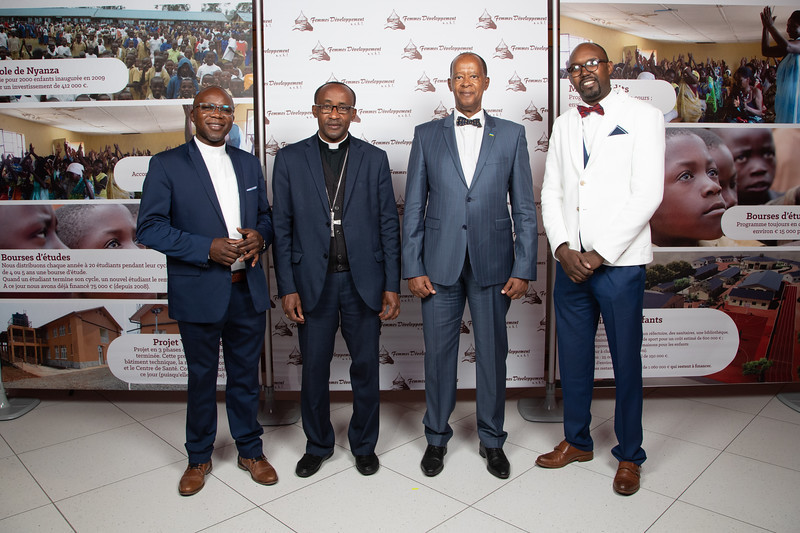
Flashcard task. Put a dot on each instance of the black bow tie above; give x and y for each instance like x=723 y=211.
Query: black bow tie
x=586 y=111
x=461 y=121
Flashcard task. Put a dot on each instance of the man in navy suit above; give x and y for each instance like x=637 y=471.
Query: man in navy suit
x=458 y=246
x=603 y=180
x=337 y=262
x=204 y=205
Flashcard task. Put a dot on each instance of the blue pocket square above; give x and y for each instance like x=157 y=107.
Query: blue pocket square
x=254 y=187
x=619 y=130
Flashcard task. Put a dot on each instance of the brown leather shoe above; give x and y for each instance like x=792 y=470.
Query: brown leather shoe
x=562 y=455
x=260 y=470
x=194 y=478
x=626 y=482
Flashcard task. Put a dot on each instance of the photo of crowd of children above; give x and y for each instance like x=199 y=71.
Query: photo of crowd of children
x=67 y=175
x=169 y=54
x=754 y=81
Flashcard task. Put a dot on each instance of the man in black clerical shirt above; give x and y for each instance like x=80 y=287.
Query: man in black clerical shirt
x=337 y=262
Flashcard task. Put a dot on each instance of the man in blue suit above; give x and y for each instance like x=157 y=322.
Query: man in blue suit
x=337 y=261
x=204 y=205
x=458 y=245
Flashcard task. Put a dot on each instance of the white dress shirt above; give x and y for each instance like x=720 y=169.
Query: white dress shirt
x=591 y=122
x=468 y=141
x=220 y=168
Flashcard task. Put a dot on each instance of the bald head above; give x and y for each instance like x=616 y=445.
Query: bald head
x=203 y=95
x=594 y=47
x=590 y=72
x=212 y=115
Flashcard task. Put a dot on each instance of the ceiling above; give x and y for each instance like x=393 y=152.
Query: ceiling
x=684 y=22
x=112 y=118
x=103 y=117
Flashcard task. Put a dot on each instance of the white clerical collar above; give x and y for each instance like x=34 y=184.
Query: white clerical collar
x=208 y=149
x=480 y=114
x=333 y=146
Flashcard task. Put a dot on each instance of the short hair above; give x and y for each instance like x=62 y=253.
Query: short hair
x=462 y=54
x=681 y=132
x=746 y=72
x=711 y=139
x=72 y=223
x=316 y=93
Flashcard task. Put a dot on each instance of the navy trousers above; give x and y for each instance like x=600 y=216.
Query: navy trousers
x=340 y=306
x=441 y=324
x=616 y=293
x=242 y=333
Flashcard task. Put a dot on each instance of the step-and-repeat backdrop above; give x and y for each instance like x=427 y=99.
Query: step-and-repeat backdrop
x=88 y=94
x=397 y=60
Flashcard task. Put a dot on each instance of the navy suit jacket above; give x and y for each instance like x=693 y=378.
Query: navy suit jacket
x=303 y=226
x=179 y=215
x=444 y=219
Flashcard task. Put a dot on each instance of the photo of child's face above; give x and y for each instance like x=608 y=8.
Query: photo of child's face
x=753 y=153
x=28 y=226
x=726 y=172
x=109 y=226
x=97 y=226
x=692 y=207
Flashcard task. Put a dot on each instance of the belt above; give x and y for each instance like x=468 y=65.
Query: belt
x=238 y=276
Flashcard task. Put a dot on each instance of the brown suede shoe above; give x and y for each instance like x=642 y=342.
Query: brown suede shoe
x=564 y=454
x=626 y=482
x=260 y=470
x=194 y=478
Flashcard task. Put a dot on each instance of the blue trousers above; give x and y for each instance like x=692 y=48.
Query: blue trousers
x=242 y=333
x=441 y=324
x=616 y=293
x=340 y=305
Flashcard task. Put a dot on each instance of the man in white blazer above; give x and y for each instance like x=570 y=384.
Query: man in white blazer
x=604 y=179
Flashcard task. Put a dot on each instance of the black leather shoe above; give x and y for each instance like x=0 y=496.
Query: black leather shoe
x=309 y=464
x=433 y=460
x=496 y=462
x=367 y=464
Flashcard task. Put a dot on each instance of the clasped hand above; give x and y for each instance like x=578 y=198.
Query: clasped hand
x=579 y=266
x=226 y=251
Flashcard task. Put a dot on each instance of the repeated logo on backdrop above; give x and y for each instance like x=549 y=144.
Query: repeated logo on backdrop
x=397 y=60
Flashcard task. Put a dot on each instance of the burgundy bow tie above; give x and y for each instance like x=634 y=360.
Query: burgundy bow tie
x=461 y=121
x=585 y=111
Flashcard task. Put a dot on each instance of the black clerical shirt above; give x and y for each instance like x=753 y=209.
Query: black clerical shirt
x=332 y=167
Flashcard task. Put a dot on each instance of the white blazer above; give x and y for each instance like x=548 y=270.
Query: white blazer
x=606 y=206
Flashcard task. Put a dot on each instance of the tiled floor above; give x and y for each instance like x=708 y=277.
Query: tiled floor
x=720 y=459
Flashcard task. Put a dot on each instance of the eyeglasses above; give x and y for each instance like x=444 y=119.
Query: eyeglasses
x=207 y=108
x=328 y=108
x=590 y=66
